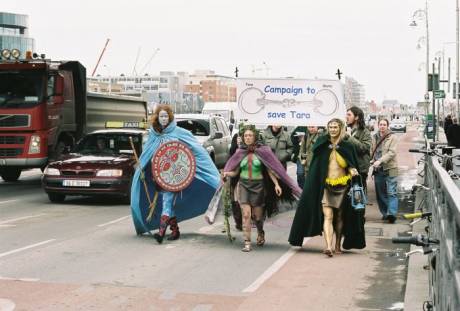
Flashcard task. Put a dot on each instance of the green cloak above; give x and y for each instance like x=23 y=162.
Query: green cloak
x=308 y=219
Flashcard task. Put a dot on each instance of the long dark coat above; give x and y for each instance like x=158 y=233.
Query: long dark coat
x=308 y=220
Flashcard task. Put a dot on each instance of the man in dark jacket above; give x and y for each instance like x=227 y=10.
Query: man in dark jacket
x=453 y=134
x=361 y=138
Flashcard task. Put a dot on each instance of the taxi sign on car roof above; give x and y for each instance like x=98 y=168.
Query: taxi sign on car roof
x=126 y=124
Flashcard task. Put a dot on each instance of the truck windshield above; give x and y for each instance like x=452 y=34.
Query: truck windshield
x=21 y=89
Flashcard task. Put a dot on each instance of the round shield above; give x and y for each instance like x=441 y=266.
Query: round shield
x=173 y=166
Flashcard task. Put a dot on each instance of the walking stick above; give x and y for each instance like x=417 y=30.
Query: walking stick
x=226 y=197
x=151 y=204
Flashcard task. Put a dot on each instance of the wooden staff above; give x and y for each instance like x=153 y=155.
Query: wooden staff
x=151 y=204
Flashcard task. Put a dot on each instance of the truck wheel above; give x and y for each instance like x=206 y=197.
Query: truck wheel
x=56 y=197
x=10 y=173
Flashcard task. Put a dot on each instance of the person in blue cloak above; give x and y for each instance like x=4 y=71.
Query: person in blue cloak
x=170 y=207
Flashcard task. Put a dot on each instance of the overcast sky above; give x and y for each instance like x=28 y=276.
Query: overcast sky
x=369 y=40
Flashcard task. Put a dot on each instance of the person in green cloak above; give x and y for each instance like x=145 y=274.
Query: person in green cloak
x=324 y=207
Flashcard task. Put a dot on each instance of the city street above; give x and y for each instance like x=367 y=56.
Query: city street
x=84 y=255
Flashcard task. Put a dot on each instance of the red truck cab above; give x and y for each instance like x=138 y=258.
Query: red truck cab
x=41 y=112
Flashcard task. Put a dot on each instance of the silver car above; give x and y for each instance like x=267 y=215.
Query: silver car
x=398 y=126
x=211 y=131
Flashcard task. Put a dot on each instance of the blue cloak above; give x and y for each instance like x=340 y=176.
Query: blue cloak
x=190 y=202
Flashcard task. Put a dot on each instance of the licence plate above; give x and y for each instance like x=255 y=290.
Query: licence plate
x=75 y=183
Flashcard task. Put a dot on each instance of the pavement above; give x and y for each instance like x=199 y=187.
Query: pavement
x=95 y=268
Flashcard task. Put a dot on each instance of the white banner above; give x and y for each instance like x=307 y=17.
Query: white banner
x=290 y=101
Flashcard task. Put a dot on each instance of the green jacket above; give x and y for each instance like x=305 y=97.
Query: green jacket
x=280 y=144
x=296 y=141
x=306 y=150
x=362 y=140
x=308 y=219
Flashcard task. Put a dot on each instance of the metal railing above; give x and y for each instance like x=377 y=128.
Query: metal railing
x=443 y=200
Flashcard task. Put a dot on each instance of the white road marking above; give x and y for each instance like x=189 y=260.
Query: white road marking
x=8 y=201
x=19 y=218
x=25 y=248
x=272 y=269
x=113 y=221
x=7 y=305
x=207 y=229
x=4 y=278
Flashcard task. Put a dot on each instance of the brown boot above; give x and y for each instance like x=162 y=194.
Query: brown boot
x=175 y=234
x=164 y=221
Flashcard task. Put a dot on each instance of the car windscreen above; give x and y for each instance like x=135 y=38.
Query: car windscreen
x=195 y=126
x=108 y=144
x=21 y=89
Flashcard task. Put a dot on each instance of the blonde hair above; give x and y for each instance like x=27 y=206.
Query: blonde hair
x=341 y=126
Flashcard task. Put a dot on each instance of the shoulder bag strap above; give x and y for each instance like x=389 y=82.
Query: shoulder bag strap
x=378 y=144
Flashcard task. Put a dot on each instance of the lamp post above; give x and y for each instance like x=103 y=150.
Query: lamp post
x=457 y=57
x=420 y=14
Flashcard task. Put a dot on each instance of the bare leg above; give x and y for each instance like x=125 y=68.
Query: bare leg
x=259 y=220
x=246 y=212
x=338 y=226
x=328 y=229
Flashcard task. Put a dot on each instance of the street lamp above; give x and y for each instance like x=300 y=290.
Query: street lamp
x=457 y=46
x=423 y=14
x=420 y=15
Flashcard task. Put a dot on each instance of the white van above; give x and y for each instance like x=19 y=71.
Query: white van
x=226 y=110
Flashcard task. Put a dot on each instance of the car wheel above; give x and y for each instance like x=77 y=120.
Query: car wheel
x=56 y=197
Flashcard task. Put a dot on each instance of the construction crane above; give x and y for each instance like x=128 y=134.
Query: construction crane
x=100 y=57
x=264 y=68
x=155 y=52
x=135 y=62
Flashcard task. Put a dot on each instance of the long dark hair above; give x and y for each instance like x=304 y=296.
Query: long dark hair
x=358 y=112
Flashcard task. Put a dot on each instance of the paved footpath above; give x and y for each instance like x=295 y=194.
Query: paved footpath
x=301 y=279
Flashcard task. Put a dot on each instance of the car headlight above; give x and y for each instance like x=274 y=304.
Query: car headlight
x=34 y=146
x=52 y=171
x=109 y=173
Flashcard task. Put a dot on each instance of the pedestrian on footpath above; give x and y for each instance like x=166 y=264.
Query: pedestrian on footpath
x=453 y=137
x=361 y=138
x=324 y=206
x=306 y=148
x=385 y=171
x=447 y=123
x=257 y=169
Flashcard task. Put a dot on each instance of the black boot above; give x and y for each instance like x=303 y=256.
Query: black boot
x=175 y=234
x=164 y=221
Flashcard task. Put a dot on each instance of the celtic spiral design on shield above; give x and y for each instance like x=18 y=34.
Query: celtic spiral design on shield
x=173 y=166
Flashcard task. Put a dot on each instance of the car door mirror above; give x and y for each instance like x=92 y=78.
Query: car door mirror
x=218 y=135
